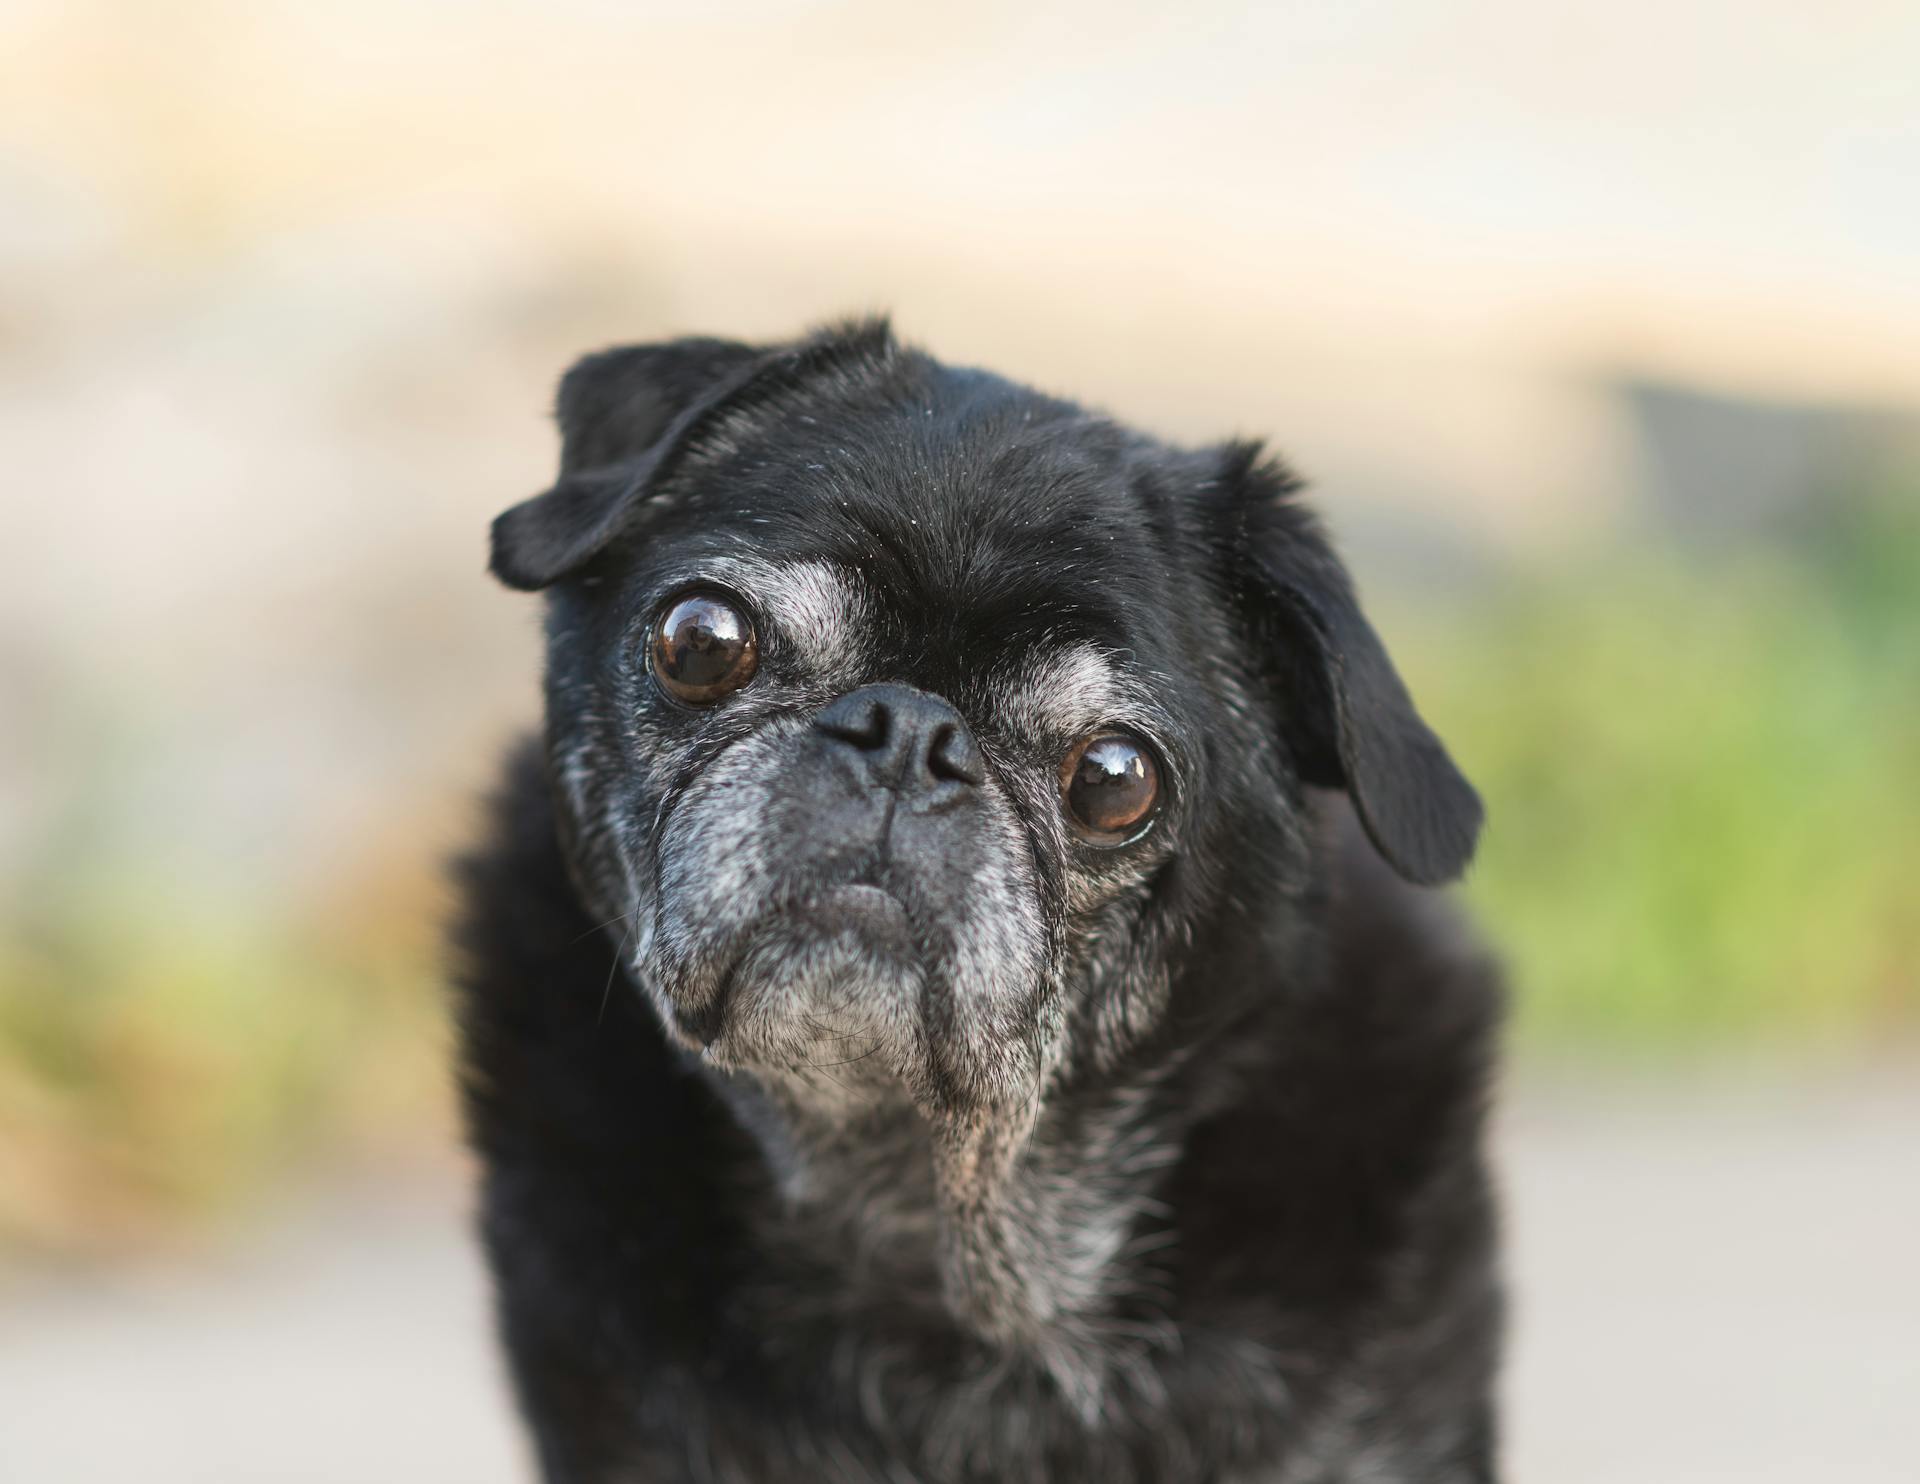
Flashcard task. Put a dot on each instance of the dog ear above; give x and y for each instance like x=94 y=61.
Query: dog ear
x=622 y=413
x=1348 y=717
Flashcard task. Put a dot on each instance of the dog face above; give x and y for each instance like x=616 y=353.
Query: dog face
x=908 y=725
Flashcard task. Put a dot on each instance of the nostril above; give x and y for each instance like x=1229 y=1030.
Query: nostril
x=903 y=739
x=953 y=757
x=866 y=724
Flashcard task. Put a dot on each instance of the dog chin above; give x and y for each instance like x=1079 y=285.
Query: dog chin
x=832 y=984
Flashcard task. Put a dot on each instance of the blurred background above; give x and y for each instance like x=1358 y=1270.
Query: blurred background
x=1596 y=329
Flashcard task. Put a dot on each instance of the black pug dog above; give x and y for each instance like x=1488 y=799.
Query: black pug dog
x=949 y=999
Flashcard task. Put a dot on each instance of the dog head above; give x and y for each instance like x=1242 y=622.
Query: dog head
x=910 y=727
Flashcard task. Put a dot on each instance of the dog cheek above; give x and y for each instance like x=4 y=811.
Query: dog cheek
x=998 y=1021
x=596 y=805
x=715 y=877
x=1126 y=986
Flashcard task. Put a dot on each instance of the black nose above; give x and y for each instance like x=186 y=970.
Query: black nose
x=904 y=739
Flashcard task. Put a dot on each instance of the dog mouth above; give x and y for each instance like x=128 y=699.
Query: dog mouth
x=823 y=952
x=863 y=907
x=798 y=931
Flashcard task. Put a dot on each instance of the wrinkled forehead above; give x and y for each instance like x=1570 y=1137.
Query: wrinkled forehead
x=844 y=630
x=1032 y=576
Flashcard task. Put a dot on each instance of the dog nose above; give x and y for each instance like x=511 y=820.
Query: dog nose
x=904 y=739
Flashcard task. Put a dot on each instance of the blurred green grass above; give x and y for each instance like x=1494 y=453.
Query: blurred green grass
x=1703 y=775
x=161 y=1063
x=1702 y=771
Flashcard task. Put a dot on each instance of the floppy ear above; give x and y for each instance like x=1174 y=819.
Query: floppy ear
x=622 y=413
x=1348 y=716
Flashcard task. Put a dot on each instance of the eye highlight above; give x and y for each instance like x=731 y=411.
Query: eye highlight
x=1110 y=785
x=702 y=648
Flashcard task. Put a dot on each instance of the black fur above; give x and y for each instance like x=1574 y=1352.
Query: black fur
x=1244 y=1043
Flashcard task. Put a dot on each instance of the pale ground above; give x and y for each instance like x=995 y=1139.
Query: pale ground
x=1719 y=1285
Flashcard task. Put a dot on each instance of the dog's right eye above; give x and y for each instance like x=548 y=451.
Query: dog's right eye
x=702 y=648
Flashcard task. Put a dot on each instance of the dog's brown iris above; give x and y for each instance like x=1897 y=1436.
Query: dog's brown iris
x=702 y=649
x=1111 y=786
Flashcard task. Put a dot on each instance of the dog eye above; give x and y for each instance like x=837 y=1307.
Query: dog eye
x=1111 y=787
x=702 y=648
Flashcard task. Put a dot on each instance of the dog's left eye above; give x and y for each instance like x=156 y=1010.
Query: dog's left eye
x=702 y=648
x=1111 y=787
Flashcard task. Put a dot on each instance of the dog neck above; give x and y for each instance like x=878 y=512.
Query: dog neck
x=1025 y=1222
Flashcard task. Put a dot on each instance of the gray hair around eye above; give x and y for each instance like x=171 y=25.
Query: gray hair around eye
x=816 y=607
